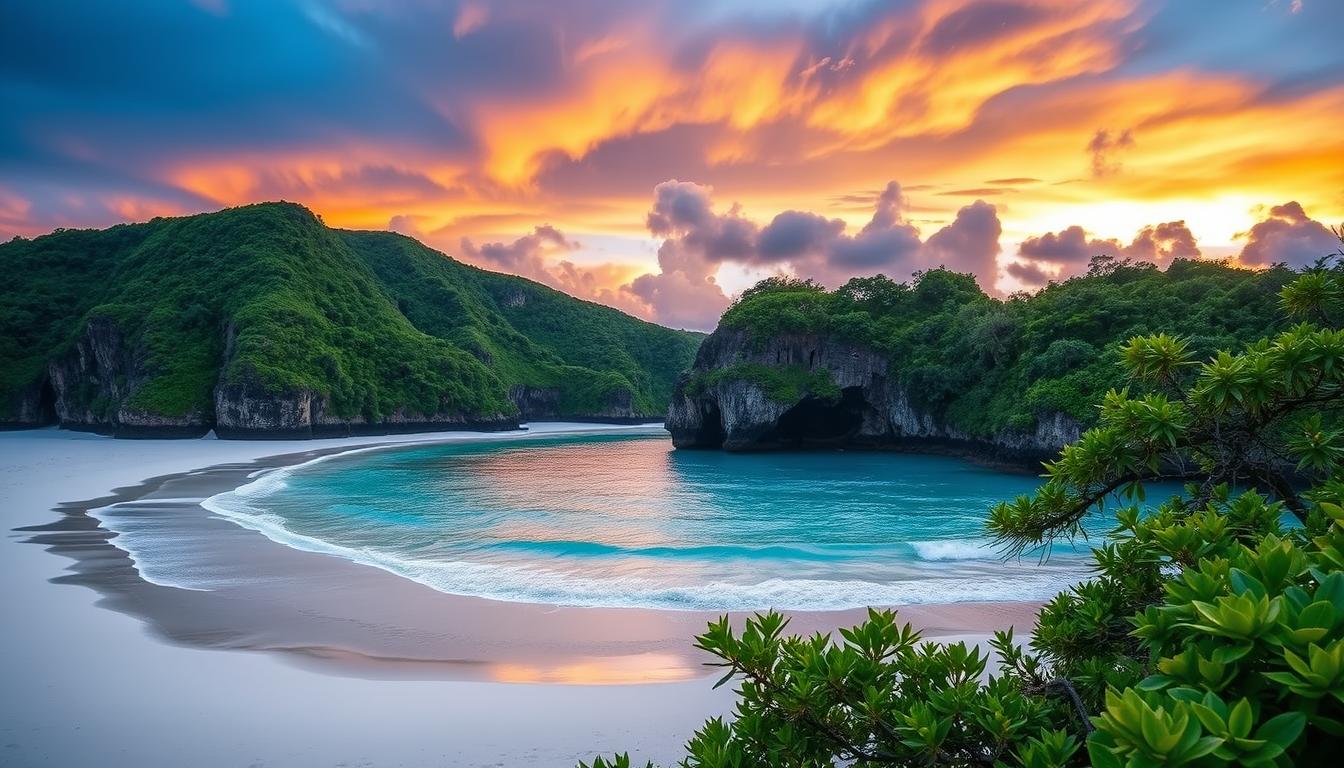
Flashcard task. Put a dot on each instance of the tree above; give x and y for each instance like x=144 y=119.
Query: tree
x=1213 y=633
x=1264 y=416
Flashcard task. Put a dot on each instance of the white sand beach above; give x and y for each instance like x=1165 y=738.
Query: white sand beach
x=87 y=685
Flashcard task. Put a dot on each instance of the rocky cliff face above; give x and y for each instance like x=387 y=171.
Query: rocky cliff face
x=33 y=406
x=872 y=410
x=535 y=403
x=93 y=383
x=249 y=411
x=90 y=389
x=544 y=403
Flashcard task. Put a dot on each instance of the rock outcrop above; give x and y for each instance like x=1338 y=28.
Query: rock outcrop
x=249 y=411
x=535 y=403
x=545 y=403
x=92 y=388
x=872 y=410
x=94 y=383
x=32 y=406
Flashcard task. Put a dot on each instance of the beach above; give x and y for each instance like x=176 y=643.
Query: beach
x=317 y=660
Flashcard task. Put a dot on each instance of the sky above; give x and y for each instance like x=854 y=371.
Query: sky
x=660 y=156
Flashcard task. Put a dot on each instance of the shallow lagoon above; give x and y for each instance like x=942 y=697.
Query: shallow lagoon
x=628 y=521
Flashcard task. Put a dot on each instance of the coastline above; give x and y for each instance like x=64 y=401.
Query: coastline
x=357 y=625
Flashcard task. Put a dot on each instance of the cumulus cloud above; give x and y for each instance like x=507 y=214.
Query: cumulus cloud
x=1067 y=252
x=682 y=210
x=1028 y=273
x=539 y=256
x=812 y=245
x=526 y=256
x=1289 y=236
x=684 y=292
x=969 y=244
x=698 y=241
x=795 y=234
x=887 y=243
x=1162 y=243
x=1069 y=245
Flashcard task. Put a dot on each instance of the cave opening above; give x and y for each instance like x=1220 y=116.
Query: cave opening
x=711 y=434
x=46 y=403
x=819 y=422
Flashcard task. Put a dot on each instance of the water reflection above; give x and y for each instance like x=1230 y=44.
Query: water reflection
x=627 y=521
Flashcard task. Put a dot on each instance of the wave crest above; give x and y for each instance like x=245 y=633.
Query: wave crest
x=955 y=549
x=540 y=585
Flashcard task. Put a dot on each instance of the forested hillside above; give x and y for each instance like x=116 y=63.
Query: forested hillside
x=261 y=321
x=877 y=361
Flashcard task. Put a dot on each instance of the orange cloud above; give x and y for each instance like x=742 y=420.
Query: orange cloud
x=504 y=117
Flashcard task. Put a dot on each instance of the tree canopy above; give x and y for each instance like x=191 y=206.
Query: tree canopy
x=983 y=364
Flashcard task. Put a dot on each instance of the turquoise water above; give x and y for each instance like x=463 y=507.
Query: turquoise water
x=627 y=521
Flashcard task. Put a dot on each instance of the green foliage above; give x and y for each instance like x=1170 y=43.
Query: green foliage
x=781 y=383
x=984 y=365
x=1243 y=651
x=267 y=296
x=528 y=333
x=1211 y=635
x=1251 y=416
x=878 y=695
x=44 y=284
x=780 y=305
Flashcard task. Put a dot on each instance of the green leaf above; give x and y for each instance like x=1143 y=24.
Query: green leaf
x=1282 y=729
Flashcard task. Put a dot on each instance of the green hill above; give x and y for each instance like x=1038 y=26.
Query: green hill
x=938 y=363
x=261 y=321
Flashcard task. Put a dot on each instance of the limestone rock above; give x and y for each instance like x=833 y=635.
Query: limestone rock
x=872 y=410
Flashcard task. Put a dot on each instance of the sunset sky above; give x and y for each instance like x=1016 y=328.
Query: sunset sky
x=661 y=155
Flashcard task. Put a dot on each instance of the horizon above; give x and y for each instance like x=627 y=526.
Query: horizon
x=661 y=158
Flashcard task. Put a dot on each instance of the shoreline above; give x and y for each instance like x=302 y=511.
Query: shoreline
x=86 y=685
x=334 y=431
x=339 y=616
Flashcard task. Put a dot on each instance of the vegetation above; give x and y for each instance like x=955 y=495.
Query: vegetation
x=781 y=383
x=983 y=365
x=372 y=321
x=1212 y=634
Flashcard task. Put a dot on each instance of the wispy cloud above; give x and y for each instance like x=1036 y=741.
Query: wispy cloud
x=486 y=121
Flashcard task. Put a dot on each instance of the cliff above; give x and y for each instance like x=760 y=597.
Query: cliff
x=261 y=322
x=938 y=365
x=809 y=391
